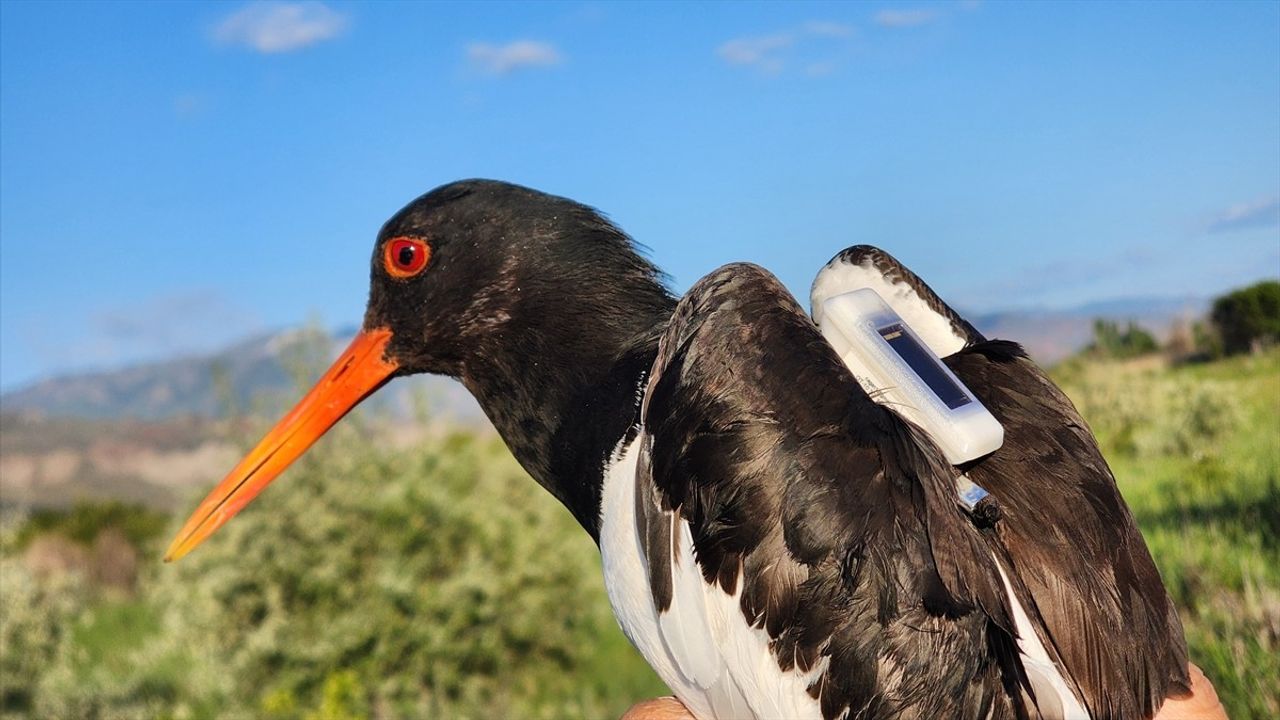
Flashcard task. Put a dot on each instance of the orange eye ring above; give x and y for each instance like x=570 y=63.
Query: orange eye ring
x=404 y=257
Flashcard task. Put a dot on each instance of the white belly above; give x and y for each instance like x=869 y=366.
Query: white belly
x=701 y=647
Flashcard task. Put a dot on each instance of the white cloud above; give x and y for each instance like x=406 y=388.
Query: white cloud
x=768 y=52
x=1256 y=214
x=277 y=27
x=759 y=51
x=502 y=59
x=905 y=18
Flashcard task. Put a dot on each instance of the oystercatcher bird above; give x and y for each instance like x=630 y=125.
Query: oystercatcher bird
x=775 y=542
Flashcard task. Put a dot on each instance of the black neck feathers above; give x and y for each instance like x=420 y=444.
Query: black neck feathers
x=545 y=311
x=561 y=395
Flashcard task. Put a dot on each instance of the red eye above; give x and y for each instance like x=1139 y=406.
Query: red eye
x=406 y=257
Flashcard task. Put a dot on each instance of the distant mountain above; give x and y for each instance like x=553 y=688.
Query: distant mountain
x=1053 y=335
x=261 y=375
x=254 y=375
x=161 y=433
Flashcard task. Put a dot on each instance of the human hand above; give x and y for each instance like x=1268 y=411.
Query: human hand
x=663 y=708
x=1202 y=704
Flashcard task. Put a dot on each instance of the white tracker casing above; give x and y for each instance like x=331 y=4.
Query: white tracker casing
x=900 y=371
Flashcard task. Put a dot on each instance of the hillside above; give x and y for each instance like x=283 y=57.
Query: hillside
x=259 y=375
x=1051 y=336
x=152 y=434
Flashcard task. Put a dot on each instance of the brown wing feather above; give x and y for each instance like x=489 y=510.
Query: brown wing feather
x=1081 y=568
x=1072 y=541
x=834 y=517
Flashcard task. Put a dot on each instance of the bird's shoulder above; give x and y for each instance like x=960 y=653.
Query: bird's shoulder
x=831 y=519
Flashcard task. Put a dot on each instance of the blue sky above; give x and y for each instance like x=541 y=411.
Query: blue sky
x=174 y=176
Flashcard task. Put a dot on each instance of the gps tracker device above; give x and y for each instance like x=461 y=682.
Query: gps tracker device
x=899 y=370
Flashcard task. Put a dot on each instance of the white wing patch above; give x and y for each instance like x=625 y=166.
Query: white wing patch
x=702 y=648
x=626 y=580
x=840 y=277
x=685 y=626
x=1053 y=695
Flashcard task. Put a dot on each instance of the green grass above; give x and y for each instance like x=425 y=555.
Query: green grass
x=1196 y=453
x=109 y=633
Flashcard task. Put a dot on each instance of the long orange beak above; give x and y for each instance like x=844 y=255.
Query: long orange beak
x=360 y=370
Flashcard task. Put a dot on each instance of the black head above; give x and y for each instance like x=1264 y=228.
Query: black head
x=506 y=265
x=540 y=305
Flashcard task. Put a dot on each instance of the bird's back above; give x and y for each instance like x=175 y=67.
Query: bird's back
x=778 y=545
x=1078 y=565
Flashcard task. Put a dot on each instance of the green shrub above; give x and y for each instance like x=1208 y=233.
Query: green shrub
x=440 y=581
x=1110 y=341
x=83 y=523
x=36 y=620
x=1248 y=316
x=433 y=582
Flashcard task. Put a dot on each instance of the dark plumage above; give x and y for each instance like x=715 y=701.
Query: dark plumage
x=1079 y=563
x=1080 y=566
x=542 y=308
x=774 y=541
x=837 y=517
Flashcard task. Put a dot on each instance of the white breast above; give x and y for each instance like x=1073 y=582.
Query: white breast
x=701 y=647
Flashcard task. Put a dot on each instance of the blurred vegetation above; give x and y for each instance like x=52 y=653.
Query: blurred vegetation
x=1248 y=318
x=1110 y=341
x=86 y=521
x=434 y=581
x=437 y=580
